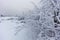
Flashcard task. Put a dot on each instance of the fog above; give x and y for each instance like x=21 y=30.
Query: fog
x=13 y=7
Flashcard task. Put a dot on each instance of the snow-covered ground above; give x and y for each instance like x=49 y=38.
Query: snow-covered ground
x=12 y=29
x=18 y=28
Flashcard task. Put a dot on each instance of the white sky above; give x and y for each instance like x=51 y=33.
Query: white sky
x=15 y=6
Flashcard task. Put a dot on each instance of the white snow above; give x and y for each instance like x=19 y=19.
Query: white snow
x=34 y=24
x=8 y=30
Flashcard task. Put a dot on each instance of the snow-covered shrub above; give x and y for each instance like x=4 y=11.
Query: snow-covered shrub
x=50 y=33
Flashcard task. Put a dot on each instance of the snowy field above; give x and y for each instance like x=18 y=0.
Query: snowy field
x=12 y=28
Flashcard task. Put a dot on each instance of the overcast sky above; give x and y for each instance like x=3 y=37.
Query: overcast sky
x=15 y=6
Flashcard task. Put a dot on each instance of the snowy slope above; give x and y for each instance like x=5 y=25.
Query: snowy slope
x=11 y=29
